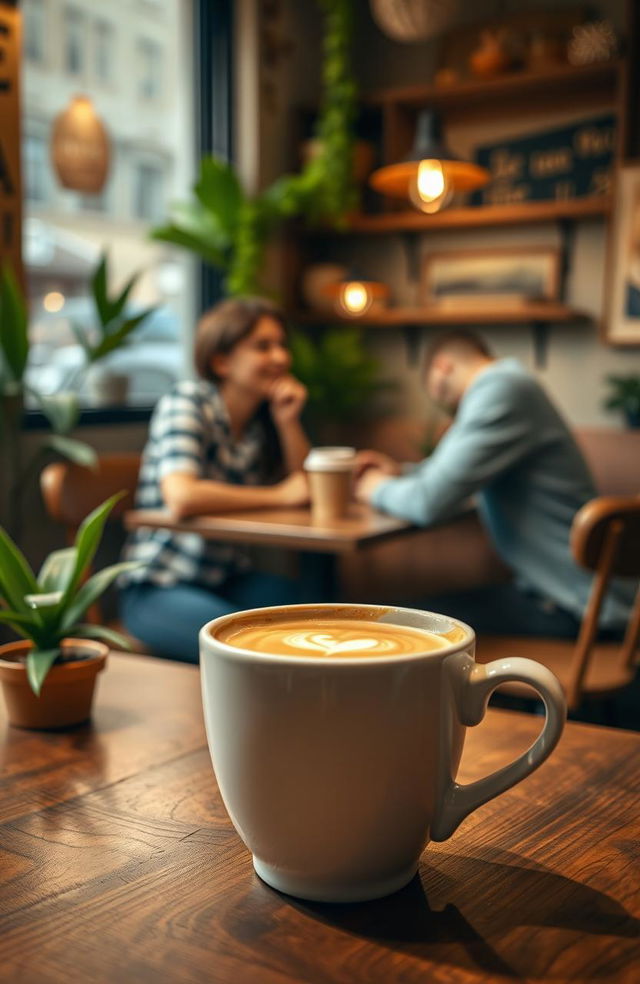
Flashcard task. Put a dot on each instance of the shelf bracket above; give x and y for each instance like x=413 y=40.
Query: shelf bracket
x=411 y=246
x=567 y=229
x=540 y=331
x=412 y=338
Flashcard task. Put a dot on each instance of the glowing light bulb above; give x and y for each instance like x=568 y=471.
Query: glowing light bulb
x=355 y=298
x=53 y=301
x=430 y=191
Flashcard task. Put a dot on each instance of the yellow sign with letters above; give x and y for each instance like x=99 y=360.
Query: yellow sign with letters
x=10 y=179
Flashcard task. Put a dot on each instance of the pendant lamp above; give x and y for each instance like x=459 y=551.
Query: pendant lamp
x=431 y=173
x=80 y=149
x=354 y=296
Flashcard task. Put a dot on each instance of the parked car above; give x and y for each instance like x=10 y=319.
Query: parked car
x=152 y=360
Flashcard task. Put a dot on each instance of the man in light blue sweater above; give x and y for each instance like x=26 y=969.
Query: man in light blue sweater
x=509 y=447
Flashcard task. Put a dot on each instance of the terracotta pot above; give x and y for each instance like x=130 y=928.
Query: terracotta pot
x=67 y=692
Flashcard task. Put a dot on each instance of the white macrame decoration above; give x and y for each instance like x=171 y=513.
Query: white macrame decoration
x=414 y=20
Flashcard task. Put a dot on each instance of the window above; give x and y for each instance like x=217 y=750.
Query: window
x=104 y=36
x=150 y=69
x=74 y=41
x=148 y=193
x=37 y=169
x=34 y=30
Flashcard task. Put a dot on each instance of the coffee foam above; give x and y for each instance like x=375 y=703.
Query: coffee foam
x=329 y=637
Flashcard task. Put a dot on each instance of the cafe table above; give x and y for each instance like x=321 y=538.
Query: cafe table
x=318 y=544
x=118 y=862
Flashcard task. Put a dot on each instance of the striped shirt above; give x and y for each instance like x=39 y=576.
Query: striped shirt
x=190 y=432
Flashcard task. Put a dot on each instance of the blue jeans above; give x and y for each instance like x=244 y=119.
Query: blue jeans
x=168 y=620
x=504 y=609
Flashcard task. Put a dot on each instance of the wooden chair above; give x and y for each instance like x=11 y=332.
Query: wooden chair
x=605 y=539
x=71 y=491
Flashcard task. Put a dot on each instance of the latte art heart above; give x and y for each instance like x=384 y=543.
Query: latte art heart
x=329 y=644
x=332 y=638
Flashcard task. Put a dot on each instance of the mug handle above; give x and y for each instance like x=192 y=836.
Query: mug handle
x=474 y=691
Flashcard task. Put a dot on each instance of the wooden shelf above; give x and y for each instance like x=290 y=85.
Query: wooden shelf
x=475 y=217
x=523 y=314
x=516 y=86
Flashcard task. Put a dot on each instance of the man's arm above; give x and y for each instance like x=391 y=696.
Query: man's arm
x=488 y=438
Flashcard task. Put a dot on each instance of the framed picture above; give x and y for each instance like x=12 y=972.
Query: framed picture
x=491 y=277
x=622 y=293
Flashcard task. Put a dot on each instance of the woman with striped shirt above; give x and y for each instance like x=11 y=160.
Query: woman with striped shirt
x=232 y=439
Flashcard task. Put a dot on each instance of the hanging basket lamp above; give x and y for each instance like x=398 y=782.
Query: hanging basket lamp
x=80 y=151
x=431 y=173
x=414 y=20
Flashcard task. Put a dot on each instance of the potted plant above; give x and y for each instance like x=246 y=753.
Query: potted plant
x=228 y=228
x=624 y=395
x=112 y=328
x=48 y=680
x=340 y=377
x=61 y=410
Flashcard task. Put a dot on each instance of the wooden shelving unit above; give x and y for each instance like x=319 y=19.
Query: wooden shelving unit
x=414 y=316
x=517 y=86
x=527 y=213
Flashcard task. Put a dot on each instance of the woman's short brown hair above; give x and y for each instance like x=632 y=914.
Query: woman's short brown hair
x=223 y=326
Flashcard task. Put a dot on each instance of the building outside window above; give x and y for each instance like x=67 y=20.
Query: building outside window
x=74 y=40
x=148 y=194
x=149 y=57
x=35 y=29
x=104 y=48
x=36 y=169
x=66 y=231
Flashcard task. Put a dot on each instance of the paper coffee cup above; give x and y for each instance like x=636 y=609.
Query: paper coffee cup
x=330 y=472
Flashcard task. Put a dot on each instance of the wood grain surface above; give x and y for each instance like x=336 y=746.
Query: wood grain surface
x=118 y=862
x=293 y=528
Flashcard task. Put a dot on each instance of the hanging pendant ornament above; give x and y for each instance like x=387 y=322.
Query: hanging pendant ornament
x=80 y=150
x=414 y=20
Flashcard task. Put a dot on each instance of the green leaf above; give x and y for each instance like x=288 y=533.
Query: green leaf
x=87 y=540
x=88 y=631
x=16 y=577
x=92 y=590
x=76 y=451
x=21 y=623
x=117 y=305
x=56 y=571
x=220 y=192
x=39 y=662
x=116 y=338
x=196 y=244
x=61 y=410
x=99 y=290
x=14 y=340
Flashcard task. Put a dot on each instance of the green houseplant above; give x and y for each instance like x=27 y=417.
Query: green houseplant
x=228 y=228
x=61 y=411
x=112 y=327
x=48 y=680
x=340 y=377
x=624 y=395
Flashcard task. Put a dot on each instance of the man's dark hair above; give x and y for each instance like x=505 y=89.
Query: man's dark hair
x=460 y=341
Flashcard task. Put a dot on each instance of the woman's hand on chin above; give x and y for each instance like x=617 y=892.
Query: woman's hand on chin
x=287 y=398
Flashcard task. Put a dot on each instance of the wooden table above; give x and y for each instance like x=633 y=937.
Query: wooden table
x=318 y=544
x=118 y=862
x=292 y=528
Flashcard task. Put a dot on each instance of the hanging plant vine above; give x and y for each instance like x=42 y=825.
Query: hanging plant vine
x=228 y=228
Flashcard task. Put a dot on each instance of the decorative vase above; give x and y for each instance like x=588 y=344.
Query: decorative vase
x=491 y=57
x=67 y=692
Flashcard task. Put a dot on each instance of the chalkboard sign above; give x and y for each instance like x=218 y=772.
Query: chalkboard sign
x=569 y=162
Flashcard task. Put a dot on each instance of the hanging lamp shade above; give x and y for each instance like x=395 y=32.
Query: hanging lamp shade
x=354 y=295
x=431 y=173
x=80 y=151
x=414 y=20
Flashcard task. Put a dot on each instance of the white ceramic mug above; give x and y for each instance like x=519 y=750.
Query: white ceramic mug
x=337 y=772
